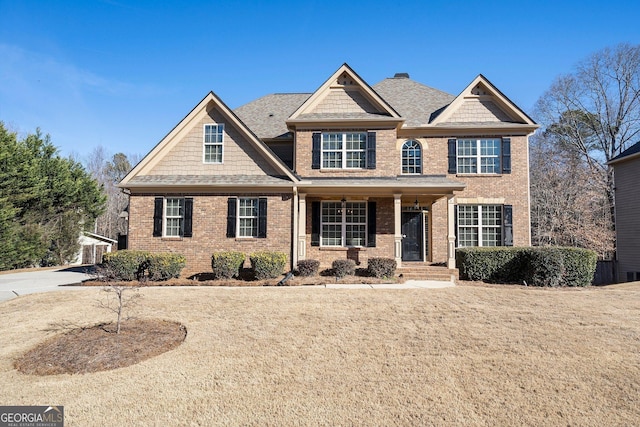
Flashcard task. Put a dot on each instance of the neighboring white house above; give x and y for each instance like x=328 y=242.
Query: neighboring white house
x=92 y=247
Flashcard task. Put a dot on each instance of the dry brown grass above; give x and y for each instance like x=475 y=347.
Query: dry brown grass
x=470 y=355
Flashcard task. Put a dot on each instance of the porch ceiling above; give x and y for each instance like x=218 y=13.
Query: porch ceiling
x=422 y=185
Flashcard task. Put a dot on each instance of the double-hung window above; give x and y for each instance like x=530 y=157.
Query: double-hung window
x=248 y=217
x=213 y=143
x=479 y=156
x=480 y=225
x=346 y=150
x=173 y=217
x=344 y=224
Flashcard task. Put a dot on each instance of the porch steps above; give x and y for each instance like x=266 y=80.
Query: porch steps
x=427 y=272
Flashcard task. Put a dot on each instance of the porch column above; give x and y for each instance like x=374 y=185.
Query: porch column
x=451 y=234
x=397 y=216
x=302 y=226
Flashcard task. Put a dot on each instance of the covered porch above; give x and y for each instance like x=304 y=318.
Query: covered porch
x=408 y=218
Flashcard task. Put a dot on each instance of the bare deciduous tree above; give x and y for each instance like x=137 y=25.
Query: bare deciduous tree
x=116 y=301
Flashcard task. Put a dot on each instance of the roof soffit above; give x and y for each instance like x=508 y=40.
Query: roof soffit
x=345 y=84
x=483 y=90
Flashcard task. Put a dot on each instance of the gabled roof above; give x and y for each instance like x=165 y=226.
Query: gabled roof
x=414 y=101
x=495 y=102
x=628 y=154
x=182 y=128
x=267 y=116
x=350 y=97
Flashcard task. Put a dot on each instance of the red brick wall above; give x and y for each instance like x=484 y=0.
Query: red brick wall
x=209 y=229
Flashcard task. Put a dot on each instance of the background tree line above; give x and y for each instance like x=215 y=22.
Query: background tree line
x=587 y=117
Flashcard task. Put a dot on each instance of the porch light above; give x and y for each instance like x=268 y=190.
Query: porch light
x=416 y=204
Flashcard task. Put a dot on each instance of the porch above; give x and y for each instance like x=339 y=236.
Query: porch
x=409 y=219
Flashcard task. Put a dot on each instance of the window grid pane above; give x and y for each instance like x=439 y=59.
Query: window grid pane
x=344 y=226
x=213 y=142
x=173 y=213
x=484 y=153
x=479 y=225
x=247 y=217
x=411 y=158
x=344 y=150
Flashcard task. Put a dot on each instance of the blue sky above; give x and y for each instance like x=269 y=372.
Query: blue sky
x=121 y=74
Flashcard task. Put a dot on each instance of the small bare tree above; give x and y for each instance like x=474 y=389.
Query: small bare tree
x=117 y=301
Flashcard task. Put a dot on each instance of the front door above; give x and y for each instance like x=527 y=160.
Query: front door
x=412 y=239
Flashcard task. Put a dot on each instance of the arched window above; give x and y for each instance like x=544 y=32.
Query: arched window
x=411 y=157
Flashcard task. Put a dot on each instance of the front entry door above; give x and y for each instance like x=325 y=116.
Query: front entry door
x=412 y=239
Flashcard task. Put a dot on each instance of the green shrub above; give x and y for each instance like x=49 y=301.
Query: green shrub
x=164 y=266
x=343 y=267
x=545 y=267
x=381 y=267
x=124 y=265
x=308 y=267
x=227 y=264
x=580 y=266
x=267 y=264
x=538 y=266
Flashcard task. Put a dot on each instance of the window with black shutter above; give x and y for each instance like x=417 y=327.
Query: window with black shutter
x=371 y=150
x=506 y=155
x=371 y=224
x=157 y=216
x=232 y=203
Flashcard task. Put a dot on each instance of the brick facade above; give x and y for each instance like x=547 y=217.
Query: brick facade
x=209 y=229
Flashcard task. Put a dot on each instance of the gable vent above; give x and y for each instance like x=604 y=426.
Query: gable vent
x=401 y=76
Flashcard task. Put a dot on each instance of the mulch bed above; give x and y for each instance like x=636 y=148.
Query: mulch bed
x=98 y=348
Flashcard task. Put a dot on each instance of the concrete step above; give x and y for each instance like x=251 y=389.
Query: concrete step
x=427 y=272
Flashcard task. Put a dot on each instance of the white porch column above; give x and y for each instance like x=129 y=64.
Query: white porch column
x=302 y=226
x=397 y=216
x=451 y=234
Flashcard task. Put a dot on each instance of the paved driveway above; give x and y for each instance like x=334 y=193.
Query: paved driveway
x=14 y=284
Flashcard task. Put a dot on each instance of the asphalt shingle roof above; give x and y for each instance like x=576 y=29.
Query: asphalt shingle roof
x=634 y=149
x=209 y=180
x=267 y=116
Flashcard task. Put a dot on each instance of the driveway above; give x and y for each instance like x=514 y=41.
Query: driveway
x=29 y=282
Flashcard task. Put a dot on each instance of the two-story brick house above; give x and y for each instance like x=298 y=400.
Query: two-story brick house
x=397 y=170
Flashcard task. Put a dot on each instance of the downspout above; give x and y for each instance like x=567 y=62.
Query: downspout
x=294 y=230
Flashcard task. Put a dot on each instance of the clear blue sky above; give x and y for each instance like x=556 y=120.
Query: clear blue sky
x=122 y=74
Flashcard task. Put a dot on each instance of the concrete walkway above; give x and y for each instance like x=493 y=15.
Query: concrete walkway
x=409 y=284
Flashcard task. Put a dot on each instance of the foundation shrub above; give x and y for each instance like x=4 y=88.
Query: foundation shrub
x=343 y=267
x=227 y=264
x=545 y=267
x=381 y=267
x=308 y=267
x=537 y=266
x=268 y=264
x=124 y=265
x=164 y=266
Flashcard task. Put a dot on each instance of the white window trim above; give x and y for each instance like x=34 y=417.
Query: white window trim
x=343 y=150
x=205 y=144
x=238 y=217
x=478 y=156
x=165 y=218
x=402 y=172
x=343 y=224
x=480 y=226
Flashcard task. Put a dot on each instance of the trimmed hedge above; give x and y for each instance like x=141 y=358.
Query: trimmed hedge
x=308 y=267
x=267 y=264
x=537 y=266
x=343 y=267
x=128 y=265
x=164 y=266
x=226 y=264
x=381 y=267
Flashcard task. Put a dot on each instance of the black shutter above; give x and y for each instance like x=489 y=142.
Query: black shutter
x=315 y=223
x=507 y=220
x=262 y=217
x=371 y=224
x=455 y=223
x=453 y=164
x=157 y=216
x=232 y=203
x=188 y=217
x=371 y=150
x=506 y=155
x=316 y=139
